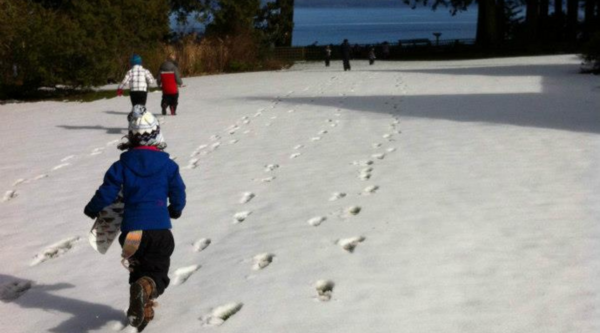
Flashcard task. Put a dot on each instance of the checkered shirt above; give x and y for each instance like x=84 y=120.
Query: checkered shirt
x=138 y=78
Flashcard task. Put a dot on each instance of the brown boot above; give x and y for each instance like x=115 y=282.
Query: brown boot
x=148 y=314
x=141 y=294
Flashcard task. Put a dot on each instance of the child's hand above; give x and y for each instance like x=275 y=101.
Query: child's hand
x=174 y=214
x=90 y=214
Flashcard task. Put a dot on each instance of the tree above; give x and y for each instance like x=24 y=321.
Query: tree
x=276 y=21
x=77 y=43
x=230 y=17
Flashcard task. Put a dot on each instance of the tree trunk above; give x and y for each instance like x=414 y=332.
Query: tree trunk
x=590 y=18
x=572 y=13
x=532 y=19
x=487 y=24
x=287 y=11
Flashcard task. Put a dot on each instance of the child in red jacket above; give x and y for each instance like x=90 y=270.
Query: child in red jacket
x=169 y=79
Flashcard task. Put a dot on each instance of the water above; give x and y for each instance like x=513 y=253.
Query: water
x=374 y=25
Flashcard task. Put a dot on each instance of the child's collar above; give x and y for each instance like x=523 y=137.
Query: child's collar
x=147 y=148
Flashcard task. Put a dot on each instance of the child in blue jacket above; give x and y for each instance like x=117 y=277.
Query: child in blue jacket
x=147 y=177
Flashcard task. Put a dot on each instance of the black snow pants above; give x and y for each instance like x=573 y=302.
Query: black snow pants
x=138 y=97
x=153 y=257
x=169 y=101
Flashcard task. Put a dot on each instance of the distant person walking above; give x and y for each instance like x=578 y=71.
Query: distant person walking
x=372 y=56
x=346 y=53
x=137 y=79
x=327 y=55
x=169 y=79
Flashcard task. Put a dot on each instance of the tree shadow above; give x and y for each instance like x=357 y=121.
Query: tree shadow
x=85 y=316
x=526 y=110
x=117 y=113
x=109 y=130
x=557 y=105
x=543 y=70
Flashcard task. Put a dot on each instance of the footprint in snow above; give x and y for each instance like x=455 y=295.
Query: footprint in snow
x=220 y=314
x=56 y=250
x=232 y=129
x=9 y=195
x=60 y=166
x=10 y=291
x=363 y=163
x=324 y=290
x=40 y=177
x=316 y=221
x=298 y=147
x=349 y=244
x=262 y=260
x=316 y=138
x=353 y=210
x=365 y=174
x=234 y=141
x=379 y=156
x=271 y=167
x=201 y=244
x=183 y=274
x=193 y=164
x=337 y=196
x=68 y=158
x=97 y=151
x=391 y=150
x=241 y=216
x=246 y=197
x=215 y=146
x=19 y=181
x=215 y=137
x=294 y=155
x=323 y=132
x=198 y=150
x=266 y=180
x=376 y=145
x=370 y=189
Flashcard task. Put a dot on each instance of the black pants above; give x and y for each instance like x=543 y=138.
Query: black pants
x=138 y=97
x=169 y=101
x=153 y=257
x=346 y=64
x=327 y=61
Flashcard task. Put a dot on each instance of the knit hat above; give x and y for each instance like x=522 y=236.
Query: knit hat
x=135 y=60
x=144 y=129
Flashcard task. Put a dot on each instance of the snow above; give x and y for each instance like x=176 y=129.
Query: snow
x=450 y=196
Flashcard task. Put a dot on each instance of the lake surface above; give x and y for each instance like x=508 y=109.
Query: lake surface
x=375 y=25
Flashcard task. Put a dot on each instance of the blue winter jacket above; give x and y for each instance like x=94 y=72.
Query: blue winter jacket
x=148 y=178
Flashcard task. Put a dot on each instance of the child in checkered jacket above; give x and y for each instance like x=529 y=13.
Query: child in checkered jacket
x=138 y=79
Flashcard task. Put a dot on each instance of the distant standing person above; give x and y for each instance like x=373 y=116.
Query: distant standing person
x=346 y=53
x=372 y=56
x=327 y=55
x=137 y=79
x=385 y=50
x=169 y=79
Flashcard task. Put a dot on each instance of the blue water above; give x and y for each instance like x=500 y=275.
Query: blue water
x=374 y=25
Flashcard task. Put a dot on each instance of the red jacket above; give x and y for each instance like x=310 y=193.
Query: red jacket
x=168 y=83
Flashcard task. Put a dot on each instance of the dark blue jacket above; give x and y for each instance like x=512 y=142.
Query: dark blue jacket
x=148 y=178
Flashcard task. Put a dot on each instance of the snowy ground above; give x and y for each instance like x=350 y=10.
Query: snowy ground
x=458 y=196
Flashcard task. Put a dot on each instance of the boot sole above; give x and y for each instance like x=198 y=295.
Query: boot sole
x=135 y=313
